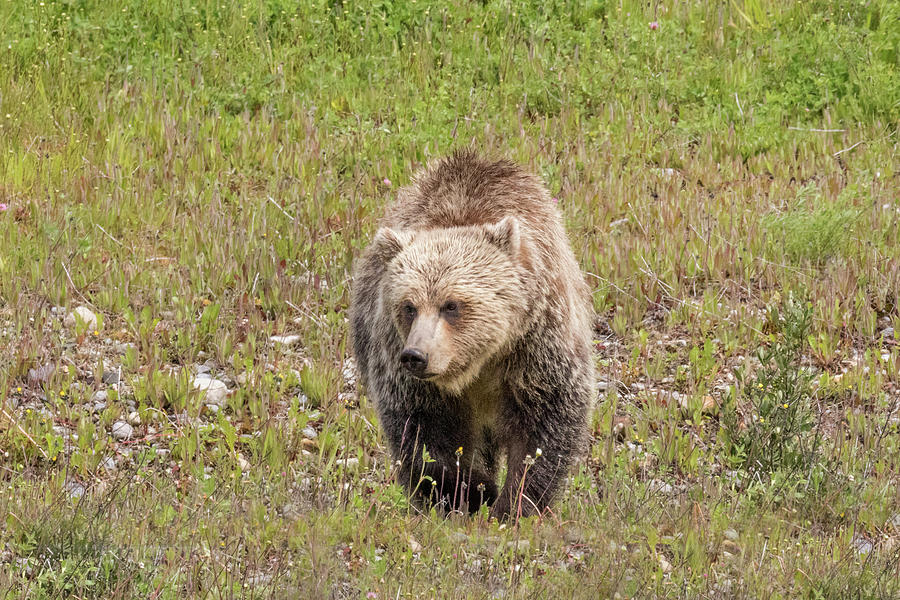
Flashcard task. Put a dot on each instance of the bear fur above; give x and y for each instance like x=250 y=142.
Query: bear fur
x=471 y=326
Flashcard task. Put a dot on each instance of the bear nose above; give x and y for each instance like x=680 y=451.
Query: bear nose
x=414 y=361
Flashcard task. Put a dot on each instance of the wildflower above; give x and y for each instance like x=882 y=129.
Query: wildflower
x=4 y=206
x=785 y=405
x=371 y=595
x=654 y=25
x=459 y=451
x=537 y=453
x=555 y=200
x=386 y=182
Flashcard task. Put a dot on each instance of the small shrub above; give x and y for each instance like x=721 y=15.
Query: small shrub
x=779 y=432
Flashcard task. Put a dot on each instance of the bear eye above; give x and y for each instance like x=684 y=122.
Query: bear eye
x=451 y=307
x=409 y=310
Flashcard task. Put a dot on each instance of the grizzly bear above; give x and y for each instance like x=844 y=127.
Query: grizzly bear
x=471 y=326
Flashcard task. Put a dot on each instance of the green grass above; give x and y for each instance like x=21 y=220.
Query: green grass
x=202 y=176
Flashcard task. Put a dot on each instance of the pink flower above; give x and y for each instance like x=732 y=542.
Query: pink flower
x=654 y=25
x=373 y=594
x=555 y=200
x=386 y=182
x=4 y=206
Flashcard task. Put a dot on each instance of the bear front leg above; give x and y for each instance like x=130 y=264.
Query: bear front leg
x=533 y=478
x=431 y=467
x=547 y=432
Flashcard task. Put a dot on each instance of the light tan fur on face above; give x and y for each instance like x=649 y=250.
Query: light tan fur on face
x=474 y=267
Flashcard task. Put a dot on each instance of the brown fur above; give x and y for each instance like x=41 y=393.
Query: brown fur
x=472 y=268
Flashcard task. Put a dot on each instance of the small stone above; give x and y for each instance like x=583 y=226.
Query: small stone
x=518 y=545
x=414 y=545
x=310 y=432
x=350 y=463
x=657 y=486
x=216 y=391
x=41 y=374
x=286 y=340
x=110 y=377
x=212 y=408
x=123 y=348
x=201 y=369
x=134 y=418
x=731 y=548
x=862 y=545
x=309 y=445
x=620 y=427
x=887 y=333
x=83 y=314
x=122 y=430
x=109 y=463
x=243 y=463
x=731 y=534
x=664 y=564
x=74 y=489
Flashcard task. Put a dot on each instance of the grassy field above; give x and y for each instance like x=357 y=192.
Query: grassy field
x=201 y=176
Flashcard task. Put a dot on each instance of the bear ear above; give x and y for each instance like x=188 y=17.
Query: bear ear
x=505 y=235
x=388 y=243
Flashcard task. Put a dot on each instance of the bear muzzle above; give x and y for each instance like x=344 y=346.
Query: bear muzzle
x=415 y=361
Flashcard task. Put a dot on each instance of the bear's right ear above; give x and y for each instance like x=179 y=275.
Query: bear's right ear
x=388 y=243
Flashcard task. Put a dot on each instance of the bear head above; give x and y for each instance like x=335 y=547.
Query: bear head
x=455 y=296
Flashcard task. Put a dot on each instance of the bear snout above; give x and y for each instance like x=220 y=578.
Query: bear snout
x=414 y=360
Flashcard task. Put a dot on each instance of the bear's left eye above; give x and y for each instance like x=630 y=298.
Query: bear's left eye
x=451 y=308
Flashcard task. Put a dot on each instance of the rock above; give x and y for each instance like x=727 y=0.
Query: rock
x=134 y=418
x=110 y=377
x=862 y=545
x=309 y=445
x=684 y=401
x=122 y=430
x=74 y=489
x=211 y=408
x=286 y=340
x=414 y=545
x=123 y=348
x=518 y=545
x=620 y=427
x=216 y=391
x=201 y=369
x=730 y=549
x=243 y=463
x=666 y=172
x=657 y=486
x=109 y=463
x=350 y=463
x=664 y=564
x=731 y=534
x=41 y=374
x=887 y=333
x=310 y=432
x=83 y=314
